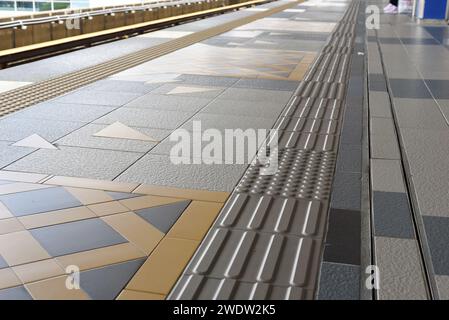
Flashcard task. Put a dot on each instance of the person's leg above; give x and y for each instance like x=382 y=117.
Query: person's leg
x=394 y=2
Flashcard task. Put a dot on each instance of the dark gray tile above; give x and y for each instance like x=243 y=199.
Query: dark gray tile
x=439 y=88
x=440 y=33
x=15 y=293
x=39 y=201
x=352 y=134
x=346 y=191
x=389 y=41
x=339 y=282
x=122 y=195
x=438 y=239
x=3 y=263
x=267 y=84
x=377 y=82
x=423 y=41
x=392 y=215
x=76 y=236
x=107 y=282
x=349 y=158
x=163 y=217
x=343 y=237
x=207 y=80
x=409 y=88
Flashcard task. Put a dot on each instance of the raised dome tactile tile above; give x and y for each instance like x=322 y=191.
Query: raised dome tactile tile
x=299 y=217
x=194 y=287
x=300 y=174
x=250 y=256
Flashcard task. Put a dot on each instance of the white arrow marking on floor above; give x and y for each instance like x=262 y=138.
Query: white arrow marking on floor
x=35 y=141
x=120 y=131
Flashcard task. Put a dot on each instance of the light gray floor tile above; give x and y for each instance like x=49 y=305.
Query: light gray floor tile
x=64 y=112
x=9 y=154
x=401 y=275
x=386 y=175
x=383 y=126
x=212 y=92
x=146 y=118
x=245 y=108
x=77 y=162
x=419 y=113
x=98 y=97
x=207 y=80
x=121 y=86
x=169 y=103
x=221 y=122
x=379 y=104
x=159 y=170
x=384 y=147
x=443 y=287
x=84 y=137
x=256 y=95
x=15 y=129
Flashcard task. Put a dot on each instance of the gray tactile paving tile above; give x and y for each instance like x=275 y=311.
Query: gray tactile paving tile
x=121 y=86
x=99 y=97
x=314 y=109
x=299 y=217
x=15 y=293
x=339 y=282
x=107 y=282
x=438 y=238
x=242 y=255
x=38 y=201
x=164 y=217
x=3 y=263
x=146 y=118
x=245 y=108
x=307 y=125
x=159 y=170
x=300 y=174
x=67 y=238
x=346 y=192
x=64 y=112
x=409 y=88
x=392 y=215
x=15 y=129
x=343 y=238
x=9 y=154
x=169 y=103
x=77 y=162
x=194 y=287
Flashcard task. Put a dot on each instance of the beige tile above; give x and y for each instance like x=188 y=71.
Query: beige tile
x=92 y=184
x=202 y=195
x=89 y=196
x=40 y=270
x=20 y=187
x=136 y=230
x=139 y=295
x=161 y=270
x=55 y=289
x=195 y=220
x=56 y=217
x=104 y=209
x=21 y=176
x=20 y=247
x=147 y=202
x=4 y=212
x=8 y=279
x=101 y=257
x=10 y=225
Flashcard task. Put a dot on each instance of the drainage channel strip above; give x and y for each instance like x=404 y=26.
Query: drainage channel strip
x=268 y=240
x=23 y=97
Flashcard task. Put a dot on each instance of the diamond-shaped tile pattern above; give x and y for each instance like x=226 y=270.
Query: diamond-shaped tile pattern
x=163 y=217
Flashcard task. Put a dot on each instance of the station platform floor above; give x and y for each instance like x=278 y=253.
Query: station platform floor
x=357 y=208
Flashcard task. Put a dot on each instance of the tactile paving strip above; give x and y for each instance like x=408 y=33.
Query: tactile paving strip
x=267 y=241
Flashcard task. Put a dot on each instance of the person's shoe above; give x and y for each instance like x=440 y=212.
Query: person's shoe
x=388 y=7
x=392 y=9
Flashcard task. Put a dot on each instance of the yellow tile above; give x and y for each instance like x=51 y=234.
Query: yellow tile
x=161 y=270
x=10 y=225
x=40 y=270
x=136 y=230
x=56 y=217
x=202 y=195
x=92 y=184
x=4 y=212
x=89 y=196
x=147 y=202
x=195 y=220
x=21 y=176
x=20 y=247
x=55 y=289
x=104 y=209
x=101 y=257
x=20 y=187
x=8 y=279
x=139 y=295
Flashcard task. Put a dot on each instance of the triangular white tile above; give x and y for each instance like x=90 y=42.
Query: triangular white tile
x=182 y=89
x=35 y=141
x=120 y=131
